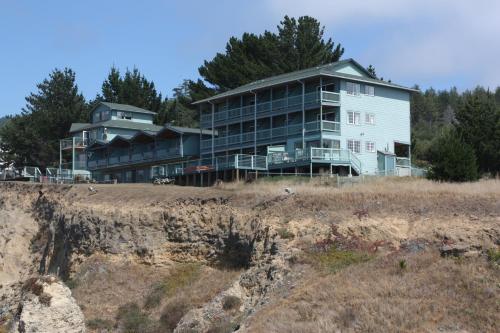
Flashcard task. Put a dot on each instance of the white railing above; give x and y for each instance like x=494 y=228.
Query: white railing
x=225 y=113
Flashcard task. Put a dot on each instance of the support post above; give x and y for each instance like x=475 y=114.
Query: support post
x=311 y=170
x=321 y=112
x=255 y=124
x=73 y=158
x=213 y=130
x=303 y=114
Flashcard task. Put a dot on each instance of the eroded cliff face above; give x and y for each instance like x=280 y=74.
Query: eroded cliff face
x=208 y=231
x=211 y=259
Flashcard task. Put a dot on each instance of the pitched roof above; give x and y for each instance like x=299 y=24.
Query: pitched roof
x=328 y=69
x=75 y=127
x=118 y=123
x=126 y=107
x=188 y=130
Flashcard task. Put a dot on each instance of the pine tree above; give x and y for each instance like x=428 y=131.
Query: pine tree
x=133 y=89
x=32 y=138
x=452 y=159
x=478 y=122
x=372 y=71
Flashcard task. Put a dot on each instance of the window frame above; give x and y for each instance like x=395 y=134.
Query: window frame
x=354 y=118
x=354 y=92
x=367 y=115
x=374 y=150
x=372 y=94
x=354 y=141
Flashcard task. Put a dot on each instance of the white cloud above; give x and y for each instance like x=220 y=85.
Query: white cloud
x=415 y=41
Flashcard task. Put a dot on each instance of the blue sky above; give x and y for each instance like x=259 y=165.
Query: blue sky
x=432 y=43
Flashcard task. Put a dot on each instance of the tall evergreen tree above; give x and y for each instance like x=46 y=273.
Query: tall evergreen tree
x=298 y=44
x=133 y=89
x=176 y=110
x=33 y=136
x=453 y=159
x=478 y=122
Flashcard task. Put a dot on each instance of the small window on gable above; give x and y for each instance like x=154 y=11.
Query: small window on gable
x=370 y=119
x=369 y=90
x=124 y=115
x=353 y=118
x=353 y=88
x=354 y=146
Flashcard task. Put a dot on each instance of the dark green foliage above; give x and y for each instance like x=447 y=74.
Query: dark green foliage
x=132 y=319
x=372 y=71
x=231 y=303
x=298 y=44
x=3 y=120
x=99 y=324
x=178 y=111
x=172 y=314
x=133 y=89
x=32 y=138
x=478 y=123
x=403 y=265
x=452 y=159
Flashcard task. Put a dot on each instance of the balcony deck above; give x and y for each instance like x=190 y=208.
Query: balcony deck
x=269 y=135
x=265 y=109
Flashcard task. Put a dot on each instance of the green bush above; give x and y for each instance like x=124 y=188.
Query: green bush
x=335 y=259
x=132 y=319
x=452 y=159
x=231 y=302
x=494 y=256
x=97 y=323
x=284 y=233
x=172 y=313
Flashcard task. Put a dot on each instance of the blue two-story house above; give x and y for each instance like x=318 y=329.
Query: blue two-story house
x=122 y=143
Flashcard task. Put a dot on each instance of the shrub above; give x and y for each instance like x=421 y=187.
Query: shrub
x=172 y=313
x=180 y=277
x=284 y=233
x=231 y=302
x=132 y=319
x=32 y=285
x=452 y=159
x=223 y=326
x=97 y=323
x=45 y=299
x=494 y=255
x=336 y=259
x=403 y=264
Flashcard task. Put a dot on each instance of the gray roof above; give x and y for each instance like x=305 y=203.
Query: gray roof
x=125 y=107
x=118 y=123
x=328 y=70
x=75 y=127
x=188 y=130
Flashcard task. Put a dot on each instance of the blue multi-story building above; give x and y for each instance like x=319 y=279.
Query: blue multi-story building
x=331 y=118
x=335 y=118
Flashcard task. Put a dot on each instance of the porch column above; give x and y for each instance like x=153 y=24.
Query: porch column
x=255 y=125
x=73 y=158
x=303 y=114
x=321 y=112
x=213 y=130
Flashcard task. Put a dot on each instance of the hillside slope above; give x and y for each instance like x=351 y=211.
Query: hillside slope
x=390 y=255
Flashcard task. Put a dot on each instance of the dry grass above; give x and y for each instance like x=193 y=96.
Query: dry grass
x=431 y=294
x=102 y=286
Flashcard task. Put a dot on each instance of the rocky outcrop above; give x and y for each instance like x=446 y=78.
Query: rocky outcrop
x=47 y=306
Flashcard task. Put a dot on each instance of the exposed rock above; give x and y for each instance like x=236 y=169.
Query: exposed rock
x=455 y=250
x=47 y=306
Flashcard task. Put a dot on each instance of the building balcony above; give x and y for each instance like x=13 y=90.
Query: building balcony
x=76 y=143
x=134 y=158
x=268 y=108
x=270 y=135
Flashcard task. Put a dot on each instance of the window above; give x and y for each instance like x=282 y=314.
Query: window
x=370 y=146
x=353 y=118
x=370 y=90
x=335 y=144
x=370 y=119
x=354 y=146
x=353 y=88
x=124 y=115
